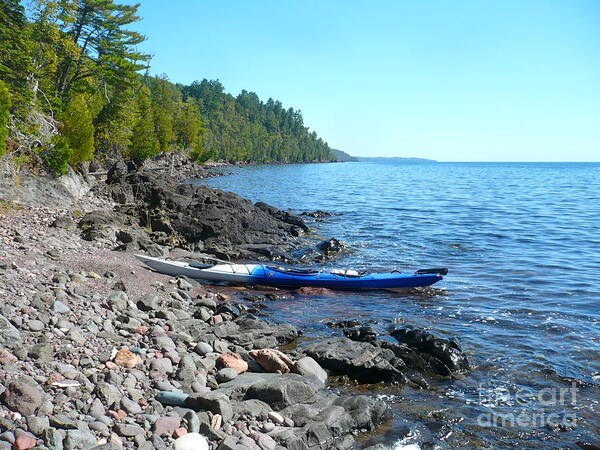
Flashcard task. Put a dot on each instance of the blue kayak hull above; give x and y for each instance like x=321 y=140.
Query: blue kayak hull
x=267 y=276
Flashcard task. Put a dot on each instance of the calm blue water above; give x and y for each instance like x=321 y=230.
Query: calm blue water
x=522 y=241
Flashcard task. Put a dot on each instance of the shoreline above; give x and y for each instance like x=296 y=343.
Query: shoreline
x=54 y=279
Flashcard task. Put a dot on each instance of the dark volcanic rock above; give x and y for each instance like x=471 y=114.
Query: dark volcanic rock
x=332 y=247
x=363 y=334
x=318 y=214
x=444 y=350
x=358 y=360
x=223 y=223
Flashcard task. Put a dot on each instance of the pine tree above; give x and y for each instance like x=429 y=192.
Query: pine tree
x=107 y=49
x=79 y=130
x=5 y=104
x=15 y=58
x=166 y=98
x=188 y=129
x=115 y=121
x=144 y=143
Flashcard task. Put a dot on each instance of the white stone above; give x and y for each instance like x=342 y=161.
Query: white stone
x=276 y=417
x=191 y=441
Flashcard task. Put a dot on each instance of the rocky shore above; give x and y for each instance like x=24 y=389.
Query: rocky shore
x=98 y=352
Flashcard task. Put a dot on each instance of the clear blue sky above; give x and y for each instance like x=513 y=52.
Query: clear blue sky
x=452 y=80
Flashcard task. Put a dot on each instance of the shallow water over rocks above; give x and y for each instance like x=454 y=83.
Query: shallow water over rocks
x=522 y=296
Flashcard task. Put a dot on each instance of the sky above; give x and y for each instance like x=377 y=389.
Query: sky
x=466 y=80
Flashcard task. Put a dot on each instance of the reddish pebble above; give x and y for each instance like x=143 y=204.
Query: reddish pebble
x=159 y=355
x=55 y=377
x=126 y=358
x=117 y=415
x=7 y=357
x=179 y=432
x=141 y=330
x=24 y=442
x=143 y=402
x=111 y=365
x=217 y=318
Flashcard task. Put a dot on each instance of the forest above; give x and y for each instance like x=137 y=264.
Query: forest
x=74 y=87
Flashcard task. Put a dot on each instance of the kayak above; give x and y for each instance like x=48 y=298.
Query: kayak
x=271 y=274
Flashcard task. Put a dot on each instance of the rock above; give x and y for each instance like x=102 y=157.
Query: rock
x=315 y=291
x=359 y=360
x=191 y=441
x=9 y=335
x=79 y=439
x=276 y=417
x=193 y=422
x=362 y=334
x=24 y=441
x=37 y=425
x=318 y=214
x=273 y=361
x=128 y=430
x=126 y=358
x=184 y=285
x=229 y=443
x=332 y=247
x=282 y=394
x=232 y=361
x=148 y=302
x=446 y=351
x=42 y=352
x=36 y=325
x=226 y=374
x=264 y=441
x=21 y=397
x=349 y=323
x=215 y=402
x=130 y=406
x=109 y=393
x=309 y=367
x=166 y=426
x=161 y=365
x=7 y=358
x=60 y=307
x=202 y=348
x=62 y=421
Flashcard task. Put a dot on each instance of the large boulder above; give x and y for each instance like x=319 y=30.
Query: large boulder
x=358 y=360
x=223 y=223
x=446 y=351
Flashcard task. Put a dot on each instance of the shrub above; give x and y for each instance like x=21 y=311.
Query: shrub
x=58 y=156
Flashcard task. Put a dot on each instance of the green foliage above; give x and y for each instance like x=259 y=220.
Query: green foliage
x=79 y=130
x=58 y=156
x=144 y=143
x=114 y=123
x=4 y=115
x=245 y=128
x=76 y=60
x=15 y=49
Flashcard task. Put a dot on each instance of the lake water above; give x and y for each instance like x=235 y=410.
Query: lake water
x=522 y=242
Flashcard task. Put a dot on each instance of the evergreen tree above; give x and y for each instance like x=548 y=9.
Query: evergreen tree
x=166 y=99
x=5 y=104
x=188 y=129
x=79 y=130
x=115 y=121
x=15 y=59
x=144 y=143
x=58 y=155
x=107 y=48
